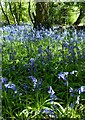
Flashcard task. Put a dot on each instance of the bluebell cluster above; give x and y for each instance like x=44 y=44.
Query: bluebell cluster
x=4 y=80
x=81 y=89
x=49 y=112
x=70 y=50
x=11 y=86
x=34 y=80
x=8 y=85
x=64 y=76
x=32 y=62
x=51 y=92
x=70 y=39
x=27 y=32
x=36 y=83
x=52 y=99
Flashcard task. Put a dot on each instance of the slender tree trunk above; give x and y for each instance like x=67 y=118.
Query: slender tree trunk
x=20 y=11
x=14 y=19
x=81 y=15
x=29 y=8
x=16 y=13
x=77 y=22
x=7 y=19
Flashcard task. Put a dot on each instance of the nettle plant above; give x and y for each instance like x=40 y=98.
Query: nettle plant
x=43 y=73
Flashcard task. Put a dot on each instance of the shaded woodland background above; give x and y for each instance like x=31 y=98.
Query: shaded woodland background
x=41 y=13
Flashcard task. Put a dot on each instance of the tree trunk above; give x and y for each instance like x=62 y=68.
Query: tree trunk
x=7 y=19
x=12 y=12
x=42 y=15
x=16 y=13
x=78 y=21
x=81 y=15
x=29 y=8
x=20 y=11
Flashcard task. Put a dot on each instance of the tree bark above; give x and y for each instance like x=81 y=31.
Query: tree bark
x=5 y=14
x=16 y=13
x=12 y=12
x=29 y=7
x=78 y=21
x=20 y=11
x=42 y=14
x=81 y=15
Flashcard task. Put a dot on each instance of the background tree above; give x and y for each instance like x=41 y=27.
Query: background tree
x=46 y=14
x=13 y=12
x=81 y=14
x=42 y=14
x=5 y=13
